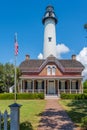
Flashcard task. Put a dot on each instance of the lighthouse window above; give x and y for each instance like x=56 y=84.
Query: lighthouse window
x=50 y=13
x=50 y=39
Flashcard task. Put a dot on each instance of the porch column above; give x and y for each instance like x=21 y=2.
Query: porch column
x=70 y=86
x=82 y=87
x=47 y=86
x=33 y=86
x=63 y=85
x=58 y=87
x=21 y=87
x=44 y=87
x=79 y=86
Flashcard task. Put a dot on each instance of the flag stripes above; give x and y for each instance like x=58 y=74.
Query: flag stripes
x=16 y=48
x=16 y=45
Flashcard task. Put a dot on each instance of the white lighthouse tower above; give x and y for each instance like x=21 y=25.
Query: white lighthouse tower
x=49 y=20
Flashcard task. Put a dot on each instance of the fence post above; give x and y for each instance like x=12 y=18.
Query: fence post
x=15 y=116
x=5 y=119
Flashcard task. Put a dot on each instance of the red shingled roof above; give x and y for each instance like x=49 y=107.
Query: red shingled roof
x=64 y=65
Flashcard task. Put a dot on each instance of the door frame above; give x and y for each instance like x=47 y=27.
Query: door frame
x=54 y=92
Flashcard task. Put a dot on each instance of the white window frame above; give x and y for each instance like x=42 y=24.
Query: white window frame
x=53 y=70
x=48 y=70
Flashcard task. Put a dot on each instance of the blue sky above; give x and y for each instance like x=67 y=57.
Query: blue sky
x=25 y=18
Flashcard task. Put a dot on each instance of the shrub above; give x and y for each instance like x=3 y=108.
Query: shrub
x=73 y=96
x=41 y=95
x=8 y=96
x=85 y=91
x=85 y=96
x=84 y=122
x=30 y=96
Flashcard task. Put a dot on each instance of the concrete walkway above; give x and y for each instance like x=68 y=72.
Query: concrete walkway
x=55 y=118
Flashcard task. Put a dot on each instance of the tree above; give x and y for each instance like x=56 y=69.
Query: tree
x=7 y=73
x=1 y=77
x=8 y=76
x=85 y=84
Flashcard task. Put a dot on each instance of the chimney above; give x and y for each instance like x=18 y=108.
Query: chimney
x=73 y=57
x=27 y=57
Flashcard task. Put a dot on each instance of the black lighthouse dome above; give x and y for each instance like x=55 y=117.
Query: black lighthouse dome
x=49 y=14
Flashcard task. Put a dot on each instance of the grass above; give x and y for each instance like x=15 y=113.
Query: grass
x=76 y=109
x=31 y=109
x=29 y=112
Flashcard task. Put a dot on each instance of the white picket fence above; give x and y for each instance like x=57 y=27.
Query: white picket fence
x=4 y=118
x=13 y=118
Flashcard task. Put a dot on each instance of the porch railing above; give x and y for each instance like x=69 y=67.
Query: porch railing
x=39 y=90
x=70 y=91
x=32 y=90
x=59 y=91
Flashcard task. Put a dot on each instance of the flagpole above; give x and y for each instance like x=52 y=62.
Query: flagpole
x=15 y=79
x=16 y=53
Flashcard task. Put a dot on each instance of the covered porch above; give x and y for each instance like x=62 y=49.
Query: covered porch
x=51 y=86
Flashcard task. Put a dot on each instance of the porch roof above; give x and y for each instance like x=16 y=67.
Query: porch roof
x=50 y=77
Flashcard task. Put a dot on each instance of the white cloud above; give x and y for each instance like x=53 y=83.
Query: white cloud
x=60 y=49
x=40 y=56
x=82 y=57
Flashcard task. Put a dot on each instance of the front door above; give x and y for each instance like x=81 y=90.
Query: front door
x=51 y=88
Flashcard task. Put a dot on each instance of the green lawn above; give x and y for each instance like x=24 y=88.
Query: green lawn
x=29 y=112
x=31 y=109
x=76 y=109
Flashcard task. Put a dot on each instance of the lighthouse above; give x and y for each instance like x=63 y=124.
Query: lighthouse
x=49 y=21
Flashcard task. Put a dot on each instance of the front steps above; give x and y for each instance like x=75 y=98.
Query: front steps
x=52 y=97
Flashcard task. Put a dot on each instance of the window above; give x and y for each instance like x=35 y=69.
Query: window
x=73 y=84
x=48 y=70
x=62 y=85
x=29 y=85
x=39 y=84
x=50 y=14
x=53 y=70
x=49 y=39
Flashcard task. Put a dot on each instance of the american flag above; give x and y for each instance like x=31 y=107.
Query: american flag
x=16 y=45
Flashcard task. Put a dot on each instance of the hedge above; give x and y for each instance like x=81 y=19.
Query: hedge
x=84 y=90
x=23 y=96
x=73 y=96
x=84 y=122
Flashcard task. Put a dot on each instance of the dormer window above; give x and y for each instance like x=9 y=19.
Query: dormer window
x=49 y=39
x=53 y=70
x=48 y=70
